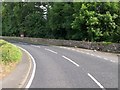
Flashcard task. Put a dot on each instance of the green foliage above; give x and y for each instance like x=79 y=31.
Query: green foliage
x=90 y=21
x=9 y=52
x=60 y=19
x=23 y=18
x=107 y=43
x=98 y=24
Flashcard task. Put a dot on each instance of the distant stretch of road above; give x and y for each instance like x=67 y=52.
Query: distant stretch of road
x=61 y=68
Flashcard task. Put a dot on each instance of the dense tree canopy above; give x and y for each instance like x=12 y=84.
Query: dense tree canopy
x=95 y=21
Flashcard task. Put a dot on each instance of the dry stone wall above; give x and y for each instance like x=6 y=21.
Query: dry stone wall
x=100 y=46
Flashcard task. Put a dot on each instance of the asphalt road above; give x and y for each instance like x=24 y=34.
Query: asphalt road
x=61 y=68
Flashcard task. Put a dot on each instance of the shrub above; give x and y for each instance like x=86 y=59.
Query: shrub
x=9 y=52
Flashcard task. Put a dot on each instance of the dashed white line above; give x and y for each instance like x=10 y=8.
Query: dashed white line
x=51 y=51
x=70 y=61
x=88 y=53
x=99 y=56
x=113 y=61
x=35 y=46
x=92 y=54
x=105 y=58
x=99 y=84
x=82 y=52
x=38 y=46
x=32 y=45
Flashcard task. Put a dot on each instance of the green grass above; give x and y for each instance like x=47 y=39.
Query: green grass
x=9 y=53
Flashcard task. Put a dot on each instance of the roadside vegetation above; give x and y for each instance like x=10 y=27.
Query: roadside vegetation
x=10 y=56
x=83 y=21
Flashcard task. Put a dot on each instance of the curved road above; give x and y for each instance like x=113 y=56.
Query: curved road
x=61 y=68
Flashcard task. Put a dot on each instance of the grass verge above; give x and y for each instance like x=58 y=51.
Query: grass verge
x=10 y=55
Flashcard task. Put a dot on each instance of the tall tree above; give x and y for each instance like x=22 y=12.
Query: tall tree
x=60 y=18
x=98 y=24
x=95 y=21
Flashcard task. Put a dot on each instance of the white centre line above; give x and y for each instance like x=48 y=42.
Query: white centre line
x=51 y=51
x=81 y=51
x=71 y=61
x=99 y=56
x=100 y=85
x=35 y=46
x=32 y=45
x=88 y=53
x=112 y=61
x=92 y=54
x=105 y=58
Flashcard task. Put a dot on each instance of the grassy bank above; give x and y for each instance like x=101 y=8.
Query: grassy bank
x=10 y=56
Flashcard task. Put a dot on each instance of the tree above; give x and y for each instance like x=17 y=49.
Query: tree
x=59 y=19
x=25 y=18
x=96 y=24
x=95 y=21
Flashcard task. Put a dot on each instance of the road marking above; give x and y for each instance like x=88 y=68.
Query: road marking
x=92 y=54
x=81 y=51
x=112 y=61
x=99 y=56
x=72 y=49
x=51 y=51
x=35 y=46
x=71 y=61
x=34 y=68
x=100 y=85
x=32 y=45
x=88 y=53
x=105 y=58
x=23 y=82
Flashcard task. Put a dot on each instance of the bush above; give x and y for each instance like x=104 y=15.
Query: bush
x=9 y=52
x=107 y=43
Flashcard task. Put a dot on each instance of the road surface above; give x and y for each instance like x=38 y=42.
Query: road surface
x=61 y=68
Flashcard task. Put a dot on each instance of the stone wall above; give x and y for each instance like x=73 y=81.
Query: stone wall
x=100 y=46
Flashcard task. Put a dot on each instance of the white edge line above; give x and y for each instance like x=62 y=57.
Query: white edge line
x=96 y=81
x=51 y=51
x=71 y=61
x=34 y=69
x=23 y=82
